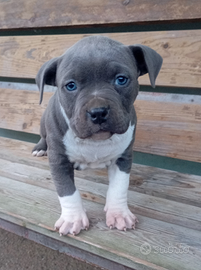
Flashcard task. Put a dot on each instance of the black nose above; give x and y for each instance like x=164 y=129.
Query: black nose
x=98 y=115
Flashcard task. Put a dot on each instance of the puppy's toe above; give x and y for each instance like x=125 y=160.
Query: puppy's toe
x=65 y=228
x=120 y=223
x=34 y=153
x=76 y=228
x=58 y=224
x=110 y=221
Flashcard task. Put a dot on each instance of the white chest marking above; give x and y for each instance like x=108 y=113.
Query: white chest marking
x=87 y=153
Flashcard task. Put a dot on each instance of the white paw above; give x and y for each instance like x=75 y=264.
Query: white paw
x=121 y=219
x=72 y=224
x=73 y=218
x=39 y=153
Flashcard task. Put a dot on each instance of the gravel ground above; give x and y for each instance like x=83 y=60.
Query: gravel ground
x=18 y=253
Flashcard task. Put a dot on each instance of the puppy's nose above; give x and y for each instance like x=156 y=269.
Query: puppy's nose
x=98 y=115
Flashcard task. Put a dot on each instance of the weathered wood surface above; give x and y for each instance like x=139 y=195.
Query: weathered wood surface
x=168 y=124
x=20 y=151
x=26 y=200
x=20 y=110
x=31 y=14
x=21 y=56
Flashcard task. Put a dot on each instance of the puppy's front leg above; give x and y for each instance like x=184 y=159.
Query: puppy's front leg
x=73 y=218
x=117 y=213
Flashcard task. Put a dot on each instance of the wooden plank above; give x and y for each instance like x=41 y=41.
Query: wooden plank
x=20 y=110
x=85 y=260
x=22 y=56
x=37 y=208
x=20 y=151
x=139 y=203
x=168 y=124
x=33 y=14
x=153 y=181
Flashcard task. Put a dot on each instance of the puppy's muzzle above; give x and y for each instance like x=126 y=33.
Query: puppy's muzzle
x=98 y=115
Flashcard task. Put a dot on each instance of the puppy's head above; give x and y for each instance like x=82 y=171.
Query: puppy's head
x=97 y=82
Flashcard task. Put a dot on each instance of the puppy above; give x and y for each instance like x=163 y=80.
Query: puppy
x=90 y=122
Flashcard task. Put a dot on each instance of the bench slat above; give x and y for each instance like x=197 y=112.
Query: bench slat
x=21 y=56
x=20 y=110
x=168 y=124
x=37 y=208
x=33 y=14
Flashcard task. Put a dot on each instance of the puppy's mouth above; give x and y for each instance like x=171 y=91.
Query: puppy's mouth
x=101 y=135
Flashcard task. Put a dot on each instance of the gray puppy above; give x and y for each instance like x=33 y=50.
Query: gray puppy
x=90 y=122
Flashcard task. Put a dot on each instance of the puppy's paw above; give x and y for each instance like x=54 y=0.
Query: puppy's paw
x=72 y=224
x=120 y=218
x=40 y=149
x=73 y=218
x=39 y=153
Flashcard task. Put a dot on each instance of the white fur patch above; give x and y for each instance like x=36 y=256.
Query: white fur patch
x=87 y=153
x=118 y=188
x=73 y=218
x=71 y=205
x=118 y=214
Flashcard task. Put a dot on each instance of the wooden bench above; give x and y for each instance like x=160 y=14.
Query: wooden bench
x=167 y=203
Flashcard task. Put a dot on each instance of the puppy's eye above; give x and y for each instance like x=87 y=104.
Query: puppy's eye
x=121 y=80
x=71 y=86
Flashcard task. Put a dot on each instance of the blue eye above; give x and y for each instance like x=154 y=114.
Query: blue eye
x=121 y=80
x=71 y=86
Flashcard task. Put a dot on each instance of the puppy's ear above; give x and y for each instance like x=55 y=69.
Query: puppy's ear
x=47 y=75
x=148 y=61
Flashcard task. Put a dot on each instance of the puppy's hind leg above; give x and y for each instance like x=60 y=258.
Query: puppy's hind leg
x=40 y=149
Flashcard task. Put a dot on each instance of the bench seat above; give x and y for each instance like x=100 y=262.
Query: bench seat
x=166 y=203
